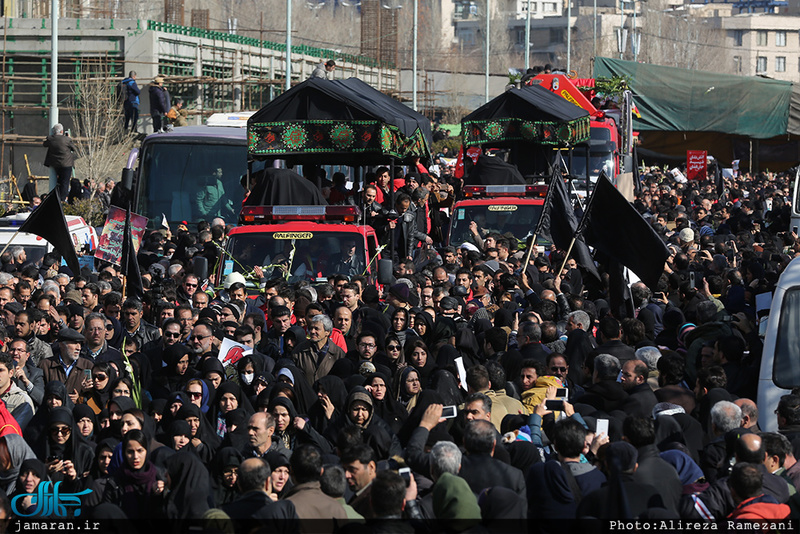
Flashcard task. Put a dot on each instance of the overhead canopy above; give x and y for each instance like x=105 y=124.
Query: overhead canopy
x=530 y=114
x=492 y=171
x=682 y=100
x=337 y=121
x=283 y=187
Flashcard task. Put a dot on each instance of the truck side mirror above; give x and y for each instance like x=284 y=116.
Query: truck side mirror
x=200 y=267
x=385 y=272
x=627 y=163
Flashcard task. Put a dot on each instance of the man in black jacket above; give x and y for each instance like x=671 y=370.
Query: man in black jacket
x=605 y=393
x=641 y=399
x=640 y=432
x=480 y=469
x=254 y=508
x=59 y=157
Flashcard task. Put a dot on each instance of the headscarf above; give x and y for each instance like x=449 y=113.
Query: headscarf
x=81 y=411
x=116 y=339
x=688 y=471
x=499 y=504
x=403 y=396
x=189 y=488
x=360 y=394
x=304 y=395
x=286 y=435
x=333 y=386
x=387 y=409
x=454 y=502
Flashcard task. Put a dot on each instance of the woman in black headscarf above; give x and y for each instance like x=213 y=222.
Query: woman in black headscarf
x=331 y=396
x=467 y=347
x=247 y=368
x=424 y=400
x=423 y=326
x=418 y=356
x=400 y=324
x=360 y=412
x=135 y=488
x=204 y=439
x=292 y=430
x=384 y=402
x=86 y=422
x=31 y=473
x=408 y=386
x=103 y=376
x=179 y=437
x=228 y=397
x=55 y=395
x=174 y=375
x=67 y=455
x=280 y=478
x=304 y=395
x=394 y=357
x=190 y=489
x=115 y=334
x=225 y=470
x=445 y=384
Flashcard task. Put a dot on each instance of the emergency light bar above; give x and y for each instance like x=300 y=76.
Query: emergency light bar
x=251 y=214
x=472 y=191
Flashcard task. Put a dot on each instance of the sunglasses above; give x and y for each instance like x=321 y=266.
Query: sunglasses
x=393 y=347
x=559 y=369
x=63 y=430
x=100 y=377
x=172 y=334
x=190 y=285
x=194 y=394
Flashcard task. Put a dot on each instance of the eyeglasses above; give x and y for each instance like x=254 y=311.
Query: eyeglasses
x=393 y=347
x=559 y=369
x=172 y=334
x=367 y=345
x=62 y=430
x=195 y=394
x=202 y=337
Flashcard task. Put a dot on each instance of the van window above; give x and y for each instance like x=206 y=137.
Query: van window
x=786 y=367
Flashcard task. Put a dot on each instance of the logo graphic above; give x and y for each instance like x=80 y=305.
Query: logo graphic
x=47 y=502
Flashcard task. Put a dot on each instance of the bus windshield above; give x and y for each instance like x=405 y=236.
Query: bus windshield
x=191 y=181
x=502 y=217
x=313 y=255
x=786 y=367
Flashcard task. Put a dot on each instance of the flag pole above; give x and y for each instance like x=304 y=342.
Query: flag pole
x=10 y=240
x=528 y=254
x=566 y=257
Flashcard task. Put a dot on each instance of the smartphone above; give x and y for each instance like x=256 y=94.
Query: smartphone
x=794 y=230
x=405 y=472
x=448 y=412
x=561 y=392
x=87 y=373
x=554 y=405
x=602 y=427
x=692 y=279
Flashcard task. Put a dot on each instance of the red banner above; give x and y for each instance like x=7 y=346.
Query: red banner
x=696 y=164
x=110 y=246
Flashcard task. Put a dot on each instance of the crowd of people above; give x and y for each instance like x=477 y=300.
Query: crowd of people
x=472 y=392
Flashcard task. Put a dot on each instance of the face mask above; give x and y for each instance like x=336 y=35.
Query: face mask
x=247 y=378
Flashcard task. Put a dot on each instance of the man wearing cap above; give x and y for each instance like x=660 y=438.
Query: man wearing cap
x=67 y=366
x=25 y=326
x=399 y=296
x=75 y=317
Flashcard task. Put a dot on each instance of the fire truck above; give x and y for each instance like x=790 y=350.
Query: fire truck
x=496 y=208
x=610 y=147
x=304 y=243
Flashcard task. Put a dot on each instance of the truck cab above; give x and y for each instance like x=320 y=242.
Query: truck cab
x=496 y=208
x=302 y=243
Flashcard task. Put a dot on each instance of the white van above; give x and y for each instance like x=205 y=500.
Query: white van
x=780 y=363
x=84 y=237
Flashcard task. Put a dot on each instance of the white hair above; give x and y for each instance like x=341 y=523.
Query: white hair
x=650 y=356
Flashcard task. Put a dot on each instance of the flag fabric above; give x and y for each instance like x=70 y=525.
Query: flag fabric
x=612 y=225
x=129 y=266
x=48 y=222
x=558 y=223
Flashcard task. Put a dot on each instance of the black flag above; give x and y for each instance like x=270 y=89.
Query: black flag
x=129 y=266
x=558 y=223
x=612 y=225
x=48 y=222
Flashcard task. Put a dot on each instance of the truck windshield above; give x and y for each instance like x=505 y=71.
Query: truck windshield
x=503 y=216
x=191 y=181
x=786 y=367
x=316 y=254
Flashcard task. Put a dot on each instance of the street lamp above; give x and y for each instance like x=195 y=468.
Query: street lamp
x=486 y=39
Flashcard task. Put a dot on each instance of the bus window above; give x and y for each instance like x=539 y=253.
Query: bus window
x=786 y=367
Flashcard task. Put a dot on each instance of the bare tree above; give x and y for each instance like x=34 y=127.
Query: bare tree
x=101 y=141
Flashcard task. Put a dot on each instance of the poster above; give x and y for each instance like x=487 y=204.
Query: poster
x=110 y=246
x=230 y=352
x=696 y=164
